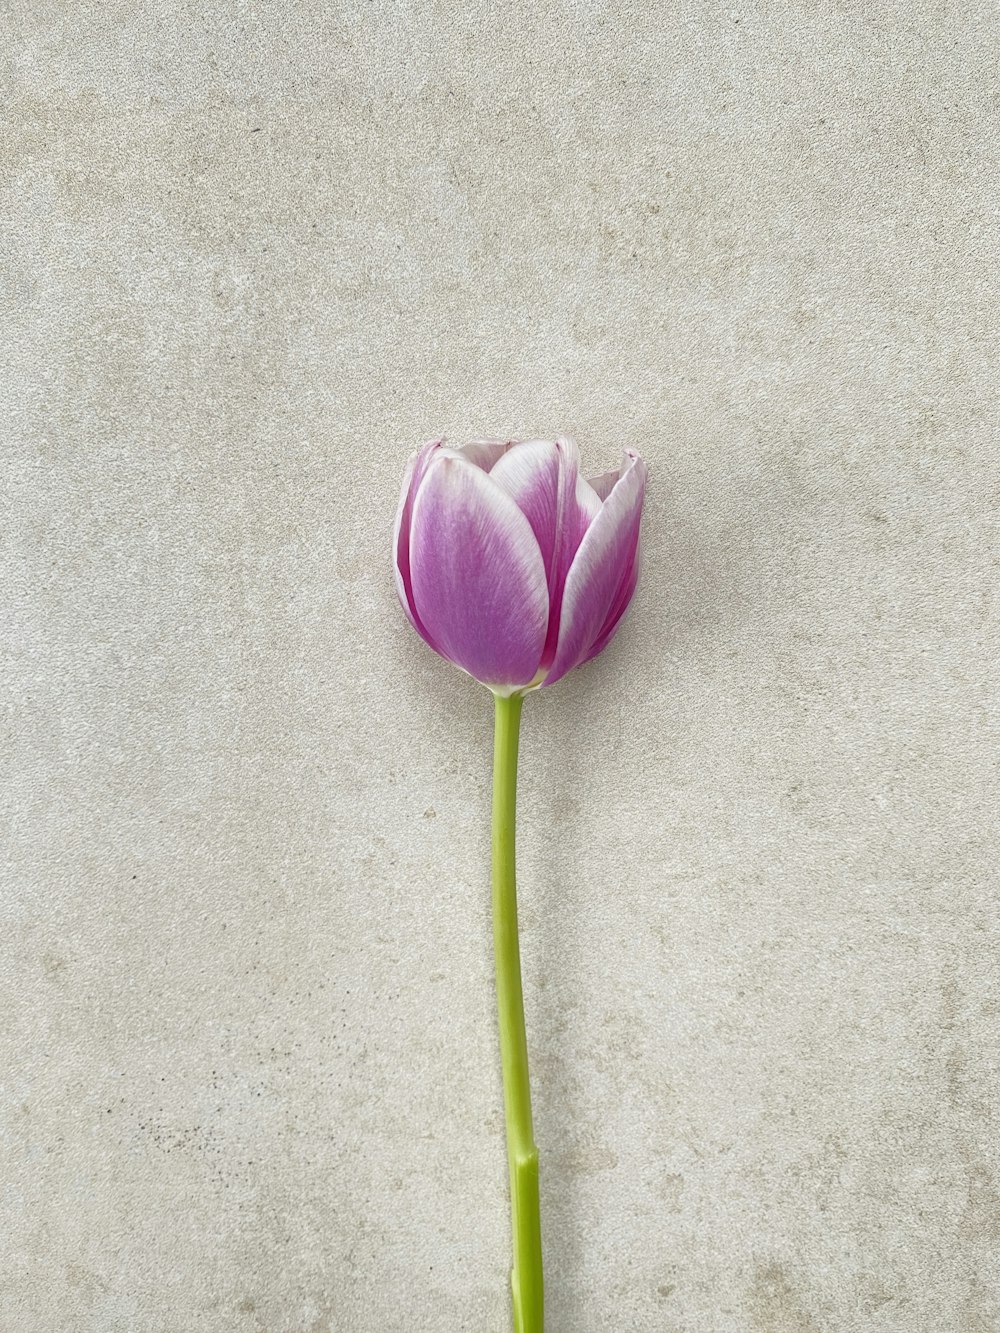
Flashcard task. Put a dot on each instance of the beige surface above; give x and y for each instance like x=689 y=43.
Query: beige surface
x=252 y=254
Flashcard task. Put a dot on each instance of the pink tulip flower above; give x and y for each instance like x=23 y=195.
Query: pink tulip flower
x=510 y=564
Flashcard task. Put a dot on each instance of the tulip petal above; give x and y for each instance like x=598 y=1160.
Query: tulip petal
x=414 y=475
x=619 y=606
x=600 y=572
x=604 y=484
x=530 y=474
x=588 y=503
x=543 y=478
x=477 y=574
x=485 y=453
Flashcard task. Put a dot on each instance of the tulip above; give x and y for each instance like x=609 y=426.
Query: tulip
x=513 y=567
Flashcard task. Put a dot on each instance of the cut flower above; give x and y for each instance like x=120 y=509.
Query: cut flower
x=510 y=564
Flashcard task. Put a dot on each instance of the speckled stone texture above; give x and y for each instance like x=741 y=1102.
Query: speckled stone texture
x=252 y=254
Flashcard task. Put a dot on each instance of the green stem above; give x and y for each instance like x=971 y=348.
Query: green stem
x=522 y=1155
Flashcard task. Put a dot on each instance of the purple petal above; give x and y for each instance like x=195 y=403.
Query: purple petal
x=600 y=573
x=478 y=577
x=619 y=606
x=543 y=479
x=415 y=470
x=588 y=504
x=530 y=473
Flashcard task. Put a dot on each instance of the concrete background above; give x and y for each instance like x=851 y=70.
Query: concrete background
x=252 y=254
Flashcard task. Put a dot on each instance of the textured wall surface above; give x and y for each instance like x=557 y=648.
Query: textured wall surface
x=251 y=255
